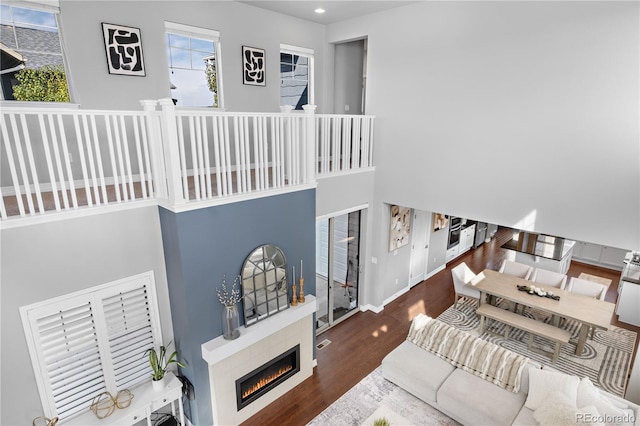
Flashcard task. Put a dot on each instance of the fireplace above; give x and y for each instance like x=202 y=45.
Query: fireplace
x=266 y=377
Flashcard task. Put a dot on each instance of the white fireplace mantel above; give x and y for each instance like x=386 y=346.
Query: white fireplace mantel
x=257 y=344
x=219 y=348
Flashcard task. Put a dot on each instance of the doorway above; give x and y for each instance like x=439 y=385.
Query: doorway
x=350 y=76
x=338 y=243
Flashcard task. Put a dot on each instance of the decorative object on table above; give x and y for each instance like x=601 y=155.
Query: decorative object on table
x=265 y=284
x=230 y=316
x=294 y=298
x=301 y=282
x=399 y=227
x=381 y=422
x=44 y=421
x=104 y=404
x=123 y=46
x=159 y=365
x=531 y=289
x=253 y=66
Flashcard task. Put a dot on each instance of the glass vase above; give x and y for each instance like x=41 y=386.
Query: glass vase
x=230 y=322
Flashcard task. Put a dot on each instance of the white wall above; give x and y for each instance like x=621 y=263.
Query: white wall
x=238 y=24
x=501 y=111
x=40 y=262
x=347 y=77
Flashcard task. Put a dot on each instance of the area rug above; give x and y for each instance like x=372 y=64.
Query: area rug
x=373 y=398
x=605 y=360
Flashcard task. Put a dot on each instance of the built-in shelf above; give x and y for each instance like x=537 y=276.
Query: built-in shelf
x=219 y=348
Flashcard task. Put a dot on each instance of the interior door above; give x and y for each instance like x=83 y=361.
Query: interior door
x=337 y=268
x=419 y=246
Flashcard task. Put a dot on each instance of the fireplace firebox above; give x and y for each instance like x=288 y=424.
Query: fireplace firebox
x=266 y=377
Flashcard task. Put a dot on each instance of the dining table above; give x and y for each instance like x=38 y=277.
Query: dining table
x=588 y=311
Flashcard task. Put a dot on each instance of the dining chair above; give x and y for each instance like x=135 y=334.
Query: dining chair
x=516 y=269
x=548 y=278
x=462 y=276
x=587 y=288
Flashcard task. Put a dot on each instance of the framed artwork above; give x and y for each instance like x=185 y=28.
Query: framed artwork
x=399 y=227
x=253 y=66
x=123 y=46
x=440 y=221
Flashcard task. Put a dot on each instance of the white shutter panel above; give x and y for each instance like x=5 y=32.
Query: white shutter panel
x=92 y=341
x=70 y=356
x=130 y=334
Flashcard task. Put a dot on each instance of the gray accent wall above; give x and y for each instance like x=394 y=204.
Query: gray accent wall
x=40 y=262
x=203 y=245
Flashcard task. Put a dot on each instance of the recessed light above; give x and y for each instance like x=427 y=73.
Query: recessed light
x=319 y=10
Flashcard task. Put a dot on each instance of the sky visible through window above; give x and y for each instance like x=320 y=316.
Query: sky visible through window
x=28 y=18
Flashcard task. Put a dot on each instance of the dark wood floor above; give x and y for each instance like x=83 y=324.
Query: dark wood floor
x=361 y=342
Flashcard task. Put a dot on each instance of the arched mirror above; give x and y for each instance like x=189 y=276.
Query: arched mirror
x=264 y=283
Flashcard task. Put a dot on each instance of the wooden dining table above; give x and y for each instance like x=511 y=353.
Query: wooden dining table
x=588 y=311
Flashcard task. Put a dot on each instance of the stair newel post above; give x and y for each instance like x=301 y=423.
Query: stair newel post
x=171 y=153
x=309 y=145
x=155 y=144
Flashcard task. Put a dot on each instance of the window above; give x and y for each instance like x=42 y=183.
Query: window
x=296 y=76
x=194 y=65
x=92 y=341
x=31 y=42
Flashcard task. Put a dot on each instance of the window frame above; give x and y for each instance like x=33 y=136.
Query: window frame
x=309 y=54
x=53 y=7
x=201 y=33
x=103 y=330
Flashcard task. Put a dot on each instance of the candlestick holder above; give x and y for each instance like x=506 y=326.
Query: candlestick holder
x=301 y=298
x=294 y=299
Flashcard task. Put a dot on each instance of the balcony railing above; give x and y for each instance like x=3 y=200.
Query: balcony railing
x=56 y=160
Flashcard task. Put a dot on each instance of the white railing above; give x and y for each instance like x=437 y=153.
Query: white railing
x=56 y=159
x=63 y=159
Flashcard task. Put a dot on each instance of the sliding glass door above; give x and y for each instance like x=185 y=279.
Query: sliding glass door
x=337 y=267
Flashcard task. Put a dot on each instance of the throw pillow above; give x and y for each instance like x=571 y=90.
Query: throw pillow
x=542 y=383
x=589 y=395
x=557 y=410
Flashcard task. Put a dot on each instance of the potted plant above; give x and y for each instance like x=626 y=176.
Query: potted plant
x=160 y=363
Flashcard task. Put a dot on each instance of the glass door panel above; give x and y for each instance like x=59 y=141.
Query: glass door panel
x=322 y=274
x=337 y=267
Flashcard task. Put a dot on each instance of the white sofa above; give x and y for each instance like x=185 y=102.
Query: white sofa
x=472 y=400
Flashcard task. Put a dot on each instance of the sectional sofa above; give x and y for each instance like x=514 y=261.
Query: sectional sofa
x=542 y=395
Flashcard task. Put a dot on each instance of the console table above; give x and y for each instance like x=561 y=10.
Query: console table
x=145 y=402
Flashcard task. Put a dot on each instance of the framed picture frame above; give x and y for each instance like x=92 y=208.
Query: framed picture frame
x=123 y=47
x=399 y=226
x=253 y=66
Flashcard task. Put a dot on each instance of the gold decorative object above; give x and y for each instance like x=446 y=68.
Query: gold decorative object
x=105 y=404
x=294 y=300
x=301 y=298
x=44 y=421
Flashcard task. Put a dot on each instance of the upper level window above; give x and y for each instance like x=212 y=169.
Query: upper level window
x=32 y=65
x=296 y=76
x=194 y=65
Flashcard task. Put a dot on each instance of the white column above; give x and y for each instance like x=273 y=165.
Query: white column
x=171 y=152
x=309 y=145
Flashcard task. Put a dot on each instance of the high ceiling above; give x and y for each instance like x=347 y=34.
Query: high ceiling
x=335 y=11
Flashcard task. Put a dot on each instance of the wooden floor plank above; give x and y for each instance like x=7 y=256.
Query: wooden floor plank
x=359 y=343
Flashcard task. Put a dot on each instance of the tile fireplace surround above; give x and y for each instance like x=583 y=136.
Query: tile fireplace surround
x=231 y=359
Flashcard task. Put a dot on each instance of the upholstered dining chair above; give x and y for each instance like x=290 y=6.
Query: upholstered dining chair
x=548 y=278
x=462 y=277
x=587 y=288
x=516 y=269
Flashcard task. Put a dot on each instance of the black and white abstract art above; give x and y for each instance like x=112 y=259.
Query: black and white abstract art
x=124 y=49
x=253 y=66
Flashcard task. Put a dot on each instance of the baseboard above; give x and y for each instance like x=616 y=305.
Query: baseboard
x=374 y=309
x=435 y=271
x=378 y=309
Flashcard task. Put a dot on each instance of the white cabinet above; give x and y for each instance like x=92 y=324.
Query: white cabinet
x=145 y=401
x=452 y=253
x=466 y=239
x=608 y=257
